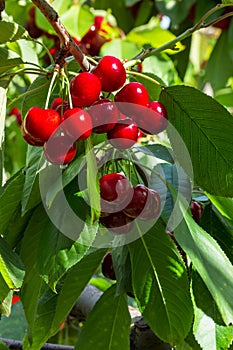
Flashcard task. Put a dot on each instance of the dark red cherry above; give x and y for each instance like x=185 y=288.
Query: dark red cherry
x=107 y=267
x=152 y=207
x=59 y=150
x=111 y=73
x=77 y=124
x=85 y=89
x=29 y=139
x=114 y=187
x=154 y=119
x=41 y=123
x=117 y=223
x=104 y=115
x=196 y=210
x=16 y=112
x=124 y=134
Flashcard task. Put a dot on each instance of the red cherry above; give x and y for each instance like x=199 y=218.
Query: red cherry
x=124 y=134
x=85 y=89
x=117 y=223
x=131 y=97
x=15 y=299
x=107 y=267
x=145 y=203
x=114 y=187
x=98 y=21
x=111 y=73
x=56 y=102
x=41 y=123
x=154 y=119
x=104 y=115
x=29 y=139
x=59 y=150
x=196 y=210
x=34 y=31
x=77 y=124
x=15 y=111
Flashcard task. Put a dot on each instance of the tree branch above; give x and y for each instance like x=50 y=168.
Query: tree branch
x=16 y=344
x=68 y=44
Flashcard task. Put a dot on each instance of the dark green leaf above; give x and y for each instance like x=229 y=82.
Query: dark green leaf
x=10 y=199
x=160 y=285
x=31 y=193
x=14 y=327
x=3 y=346
x=177 y=11
x=197 y=117
x=220 y=57
x=8 y=59
x=122 y=268
x=11 y=267
x=158 y=151
x=11 y=32
x=113 y=330
x=209 y=260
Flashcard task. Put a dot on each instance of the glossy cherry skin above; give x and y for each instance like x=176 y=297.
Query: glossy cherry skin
x=60 y=105
x=196 y=210
x=29 y=139
x=117 y=223
x=111 y=73
x=59 y=150
x=153 y=120
x=104 y=115
x=131 y=97
x=107 y=267
x=77 y=124
x=85 y=89
x=124 y=135
x=41 y=123
x=144 y=204
x=114 y=187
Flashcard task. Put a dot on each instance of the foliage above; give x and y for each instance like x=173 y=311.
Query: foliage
x=182 y=286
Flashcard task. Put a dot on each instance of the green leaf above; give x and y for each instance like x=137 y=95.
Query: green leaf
x=197 y=117
x=227 y=2
x=36 y=94
x=8 y=59
x=122 y=268
x=10 y=199
x=153 y=35
x=157 y=151
x=31 y=193
x=160 y=285
x=224 y=205
x=77 y=20
x=11 y=267
x=209 y=260
x=207 y=327
x=224 y=96
x=11 y=32
x=177 y=11
x=53 y=308
x=3 y=99
x=3 y=346
x=14 y=327
x=5 y=297
x=122 y=49
x=113 y=330
x=220 y=57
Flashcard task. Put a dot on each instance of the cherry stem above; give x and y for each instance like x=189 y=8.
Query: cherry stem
x=145 y=77
x=66 y=40
x=54 y=76
x=187 y=33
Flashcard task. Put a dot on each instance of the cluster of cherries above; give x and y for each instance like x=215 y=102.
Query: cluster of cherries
x=121 y=203
x=122 y=120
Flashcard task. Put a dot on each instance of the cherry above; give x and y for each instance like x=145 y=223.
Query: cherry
x=34 y=31
x=85 y=89
x=124 y=134
x=104 y=115
x=41 y=123
x=196 y=210
x=16 y=112
x=59 y=150
x=131 y=97
x=154 y=119
x=57 y=102
x=107 y=267
x=144 y=204
x=77 y=124
x=114 y=187
x=117 y=223
x=111 y=73
x=29 y=139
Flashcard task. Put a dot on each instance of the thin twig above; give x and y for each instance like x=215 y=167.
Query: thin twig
x=66 y=40
x=16 y=344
